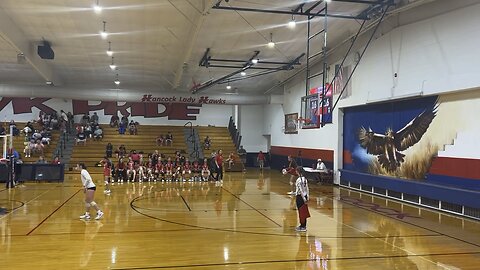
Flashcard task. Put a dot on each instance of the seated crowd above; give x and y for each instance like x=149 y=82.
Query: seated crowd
x=133 y=166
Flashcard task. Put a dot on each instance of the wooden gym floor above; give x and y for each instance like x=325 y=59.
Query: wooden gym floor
x=247 y=223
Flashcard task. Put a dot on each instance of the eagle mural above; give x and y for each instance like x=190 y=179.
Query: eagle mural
x=388 y=147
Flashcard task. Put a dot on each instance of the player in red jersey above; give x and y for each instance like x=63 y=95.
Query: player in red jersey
x=196 y=170
x=205 y=170
x=169 y=169
x=107 y=173
x=131 y=173
x=187 y=170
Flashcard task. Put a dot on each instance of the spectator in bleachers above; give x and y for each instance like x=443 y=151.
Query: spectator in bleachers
x=70 y=120
x=63 y=116
x=122 y=150
x=122 y=127
x=39 y=147
x=132 y=128
x=15 y=130
x=54 y=122
x=28 y=150
x=207 y=143
x=124 y=120
x=94 y=119
x=230 y=160
x=85 y=119
x=88 y=131
x=41 y=160
x=109 y=150
x=36 y=135
x=81 y=137
x=56 y=160
x=135 y=156
x=28 y=129
x=98 y=133
x=160 y=140
x=169 y=138
x=114 y=121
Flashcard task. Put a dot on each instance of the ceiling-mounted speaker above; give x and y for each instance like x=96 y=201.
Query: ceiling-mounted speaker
x=45 y=51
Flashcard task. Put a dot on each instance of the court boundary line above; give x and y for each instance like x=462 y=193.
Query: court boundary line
x=54 y=211
x=298 y=260
x=186 y=204
x=249 y=205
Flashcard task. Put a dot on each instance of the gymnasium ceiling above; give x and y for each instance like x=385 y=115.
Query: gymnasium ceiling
x=157 y=44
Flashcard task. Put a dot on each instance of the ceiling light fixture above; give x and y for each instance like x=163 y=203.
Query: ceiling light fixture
x=292 y=23
x=112 y=65
x=243 y=73
x=328 y=1
x=97 y=8
x=117 y=81
x=104 y=33
x=229 y=86
x=109 y=51
x=254 y=61
x=271 y=44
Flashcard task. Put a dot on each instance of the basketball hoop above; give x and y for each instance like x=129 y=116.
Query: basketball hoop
x=303 y=121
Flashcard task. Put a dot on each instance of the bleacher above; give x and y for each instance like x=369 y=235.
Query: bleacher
x=145 y=141
x=221 y=139
x=48 y=152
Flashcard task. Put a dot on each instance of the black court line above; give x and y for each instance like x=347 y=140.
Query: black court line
x=298 y=260
x=404 y=221
x=186 y=204
x=238 y=198
x=53 y=212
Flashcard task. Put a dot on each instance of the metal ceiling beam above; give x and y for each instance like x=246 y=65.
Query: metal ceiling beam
x=16 y=38
x=259 y=62
x=289 y=12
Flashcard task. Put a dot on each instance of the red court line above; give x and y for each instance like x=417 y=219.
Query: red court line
x=53 y=212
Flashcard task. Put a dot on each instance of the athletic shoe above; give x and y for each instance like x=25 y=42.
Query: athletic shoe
x=86 y=216
x=107 y=191
x=301 y=229
x=291 y=193
x=99 y=215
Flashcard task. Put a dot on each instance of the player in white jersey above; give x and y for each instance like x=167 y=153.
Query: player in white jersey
x=89 y=190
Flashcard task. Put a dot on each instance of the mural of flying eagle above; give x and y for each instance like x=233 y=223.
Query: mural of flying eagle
x=388 y=147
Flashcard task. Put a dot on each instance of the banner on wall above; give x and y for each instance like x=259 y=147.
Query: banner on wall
x=392 y=139
x=340 y=81
x=173 y=111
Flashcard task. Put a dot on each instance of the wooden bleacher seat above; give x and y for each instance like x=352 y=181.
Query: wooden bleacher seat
x=221 y=139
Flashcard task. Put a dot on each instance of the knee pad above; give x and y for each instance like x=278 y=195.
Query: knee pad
x=106 y=182
x=93 y=204
x=87 y=204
